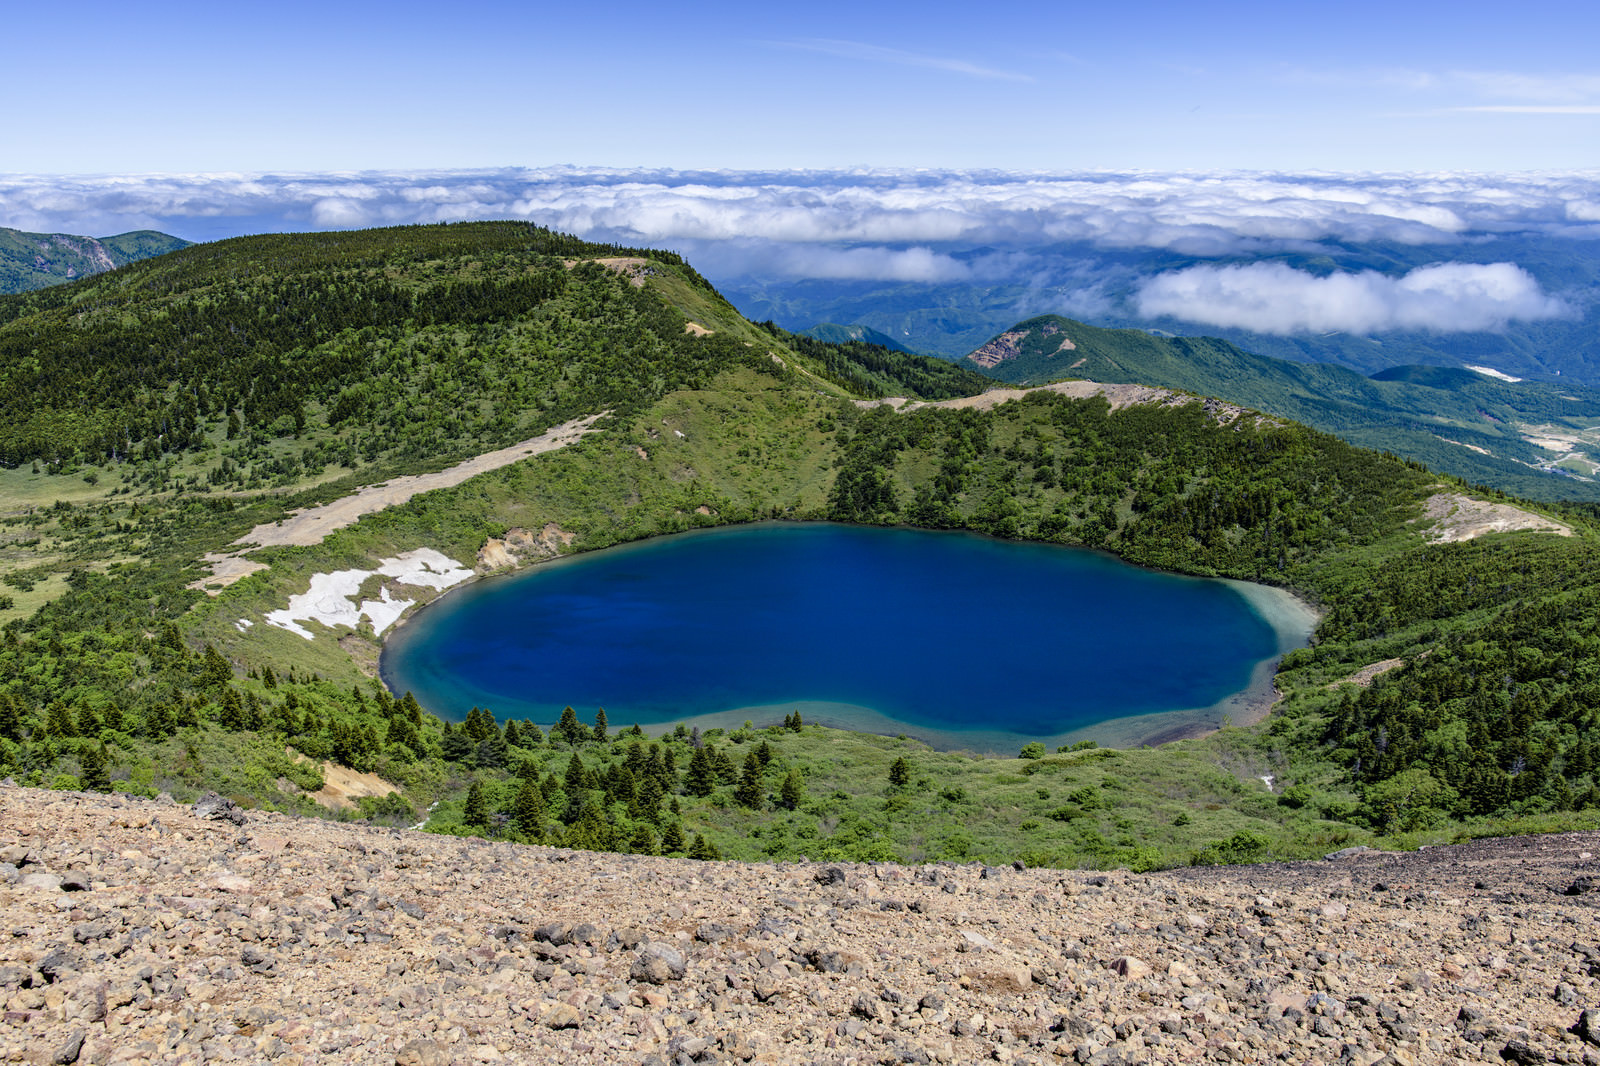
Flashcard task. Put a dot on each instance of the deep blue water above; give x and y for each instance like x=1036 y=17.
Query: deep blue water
x=941 y=634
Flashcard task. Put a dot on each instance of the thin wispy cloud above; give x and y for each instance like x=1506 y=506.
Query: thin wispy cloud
x=1530 y=88
x=878 y=54
x=1535 y=109
x=1483 y=91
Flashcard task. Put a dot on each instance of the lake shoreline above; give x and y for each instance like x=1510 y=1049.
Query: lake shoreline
x=1289 y=617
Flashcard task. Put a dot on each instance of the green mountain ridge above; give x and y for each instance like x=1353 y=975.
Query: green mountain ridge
x=37 y=260
x=1461 y=422
x=157 y=414
x=833 y=333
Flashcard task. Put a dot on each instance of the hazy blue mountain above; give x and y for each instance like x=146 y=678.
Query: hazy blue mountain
x=35 y=260
x=833 y=333
x=953 y=317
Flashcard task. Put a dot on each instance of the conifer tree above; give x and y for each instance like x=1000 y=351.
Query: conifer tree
x=591 y=831
x=454 y=744
x=600 y=725
x=232 y=716
x=620 y=784
x=527 y=810
x=216 y=670
x=647 y=800
x=411 y=708
x=722 y=763
x=900 y=773
x=701 y=848
x=476 y=813
x=764 y=753
x=793 y=791
x=532 y=735
x=58 y=721
x=751 y=792
x=96 y=763
x=491 y=751
x=656 y=767
x=701 y=779
x=89 y=722
x=672 y=842
x=569 y=730
x=577 y=778
x=10 y=716
x=643 y=841
x=513 y=734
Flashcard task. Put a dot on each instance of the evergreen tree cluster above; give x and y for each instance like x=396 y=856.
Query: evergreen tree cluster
x=413 y=340
x=586 y=787
x=1164 y=486
x=1500 y=715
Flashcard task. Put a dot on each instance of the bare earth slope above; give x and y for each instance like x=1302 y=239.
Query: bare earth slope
x=310 y=526
x=141 y=931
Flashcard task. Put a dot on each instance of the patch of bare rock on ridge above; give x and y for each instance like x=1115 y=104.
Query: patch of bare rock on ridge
x=1456 y=517
x=142 y=931
x=1117 y=395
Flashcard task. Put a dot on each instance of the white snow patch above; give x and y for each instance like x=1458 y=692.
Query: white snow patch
x=426 y=567
x=1268 y=778
x=385 y=611
x=243 y=624
x=331 y=597
x=1492 y=372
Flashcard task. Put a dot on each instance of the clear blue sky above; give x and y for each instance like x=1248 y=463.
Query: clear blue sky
x=100 y=87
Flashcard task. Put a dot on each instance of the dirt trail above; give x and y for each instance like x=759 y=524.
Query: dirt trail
x=307 y=527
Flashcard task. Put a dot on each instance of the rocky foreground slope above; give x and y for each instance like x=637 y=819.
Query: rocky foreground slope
x=144 y=931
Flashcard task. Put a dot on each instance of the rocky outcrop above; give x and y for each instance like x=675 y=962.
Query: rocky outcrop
x=1006 y=346
x=519 y=547
x=1009 y=345
x=148 y=932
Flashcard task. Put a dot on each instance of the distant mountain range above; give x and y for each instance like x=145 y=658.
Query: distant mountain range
x=31 y=261
x=833 y=333
x=1537 y=439
x=950 y=316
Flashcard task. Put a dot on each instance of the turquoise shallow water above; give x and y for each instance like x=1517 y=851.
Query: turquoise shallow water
x=962 y=640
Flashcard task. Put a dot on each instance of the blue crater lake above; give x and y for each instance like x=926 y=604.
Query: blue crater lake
x=960 y=640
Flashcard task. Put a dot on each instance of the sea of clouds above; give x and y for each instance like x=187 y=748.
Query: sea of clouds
x=935 y=227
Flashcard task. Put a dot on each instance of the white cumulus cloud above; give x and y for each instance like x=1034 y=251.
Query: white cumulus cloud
x=891 y=225
x=1274 y=298
x=1191 y=213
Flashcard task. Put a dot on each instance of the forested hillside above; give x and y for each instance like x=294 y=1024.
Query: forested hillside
x=1535 y=439
x=157 y=414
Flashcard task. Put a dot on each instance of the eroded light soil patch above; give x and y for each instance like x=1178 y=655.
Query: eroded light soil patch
x=1457 y=518
x=308 y=527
